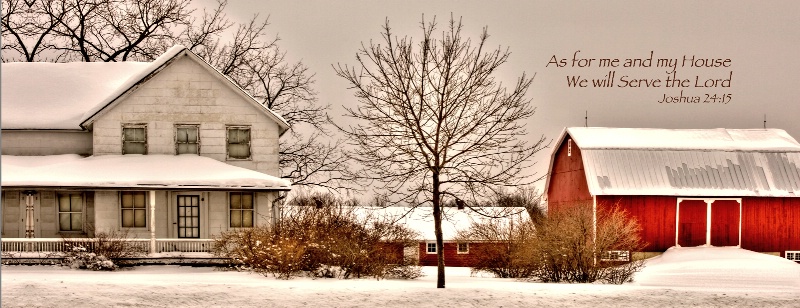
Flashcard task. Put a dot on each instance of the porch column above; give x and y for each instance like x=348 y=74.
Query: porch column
x=152 y=221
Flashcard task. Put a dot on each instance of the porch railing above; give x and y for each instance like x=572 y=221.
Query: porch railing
x=55 y=245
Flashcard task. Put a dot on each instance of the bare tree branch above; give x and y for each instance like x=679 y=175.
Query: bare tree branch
x=433 y=122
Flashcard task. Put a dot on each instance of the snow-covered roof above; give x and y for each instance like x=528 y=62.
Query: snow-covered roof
x=56 y=95
x=722 y=139
x=132 y=171
x=694 y=162
x=69 y=95
x=420 y=219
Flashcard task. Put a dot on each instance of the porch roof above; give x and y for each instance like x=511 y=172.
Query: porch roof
x=184 y=172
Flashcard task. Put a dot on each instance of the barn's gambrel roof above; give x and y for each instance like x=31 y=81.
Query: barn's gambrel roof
x=688 y=162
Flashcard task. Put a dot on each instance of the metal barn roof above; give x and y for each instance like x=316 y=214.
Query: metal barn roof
x=696 y=162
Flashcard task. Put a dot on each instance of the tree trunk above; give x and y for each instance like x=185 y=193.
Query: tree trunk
x=437 y=223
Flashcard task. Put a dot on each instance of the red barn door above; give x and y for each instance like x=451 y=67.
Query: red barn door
x=692 y=217
x=725 y=223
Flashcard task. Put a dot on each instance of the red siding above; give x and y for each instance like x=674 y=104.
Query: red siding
x=655 y=215
x=451 y=255
x=725 y=223
x=771 y=224
x=767 y=224
x=567 y=178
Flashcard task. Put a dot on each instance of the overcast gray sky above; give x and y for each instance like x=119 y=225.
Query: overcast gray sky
x=760 y=39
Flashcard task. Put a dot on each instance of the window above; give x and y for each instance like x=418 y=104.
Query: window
x=187 y=139
x=70 y=212
x=793 y=255
x=238 y=142
x=431 y=248
x=463 y=248
x=615 y=255
x=134 y=209
x=241 y=209
x=134 y=139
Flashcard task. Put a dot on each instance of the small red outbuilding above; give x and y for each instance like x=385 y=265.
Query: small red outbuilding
x=686 y=187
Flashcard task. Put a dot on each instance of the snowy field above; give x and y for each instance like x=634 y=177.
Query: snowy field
x=704 y=277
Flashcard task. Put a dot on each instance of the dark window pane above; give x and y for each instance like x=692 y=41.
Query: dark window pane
x=63 y=203
x=139 y=199
x=127 y=218
x=236 y=201
x=247 y=201
x=236 y=219
x=139 y=218
x=77 y=223
x=63 y=222
x=127 y=200
x=247 y=219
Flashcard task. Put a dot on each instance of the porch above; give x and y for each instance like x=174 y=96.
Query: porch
x=161 y=251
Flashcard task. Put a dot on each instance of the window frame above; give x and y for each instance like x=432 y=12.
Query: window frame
x=134 y=209
x=242 y=210
x=462 y=252
x=81 y=213
x=793 y=255
x=143 y=126
x=428 y=247
x=616 y=256
x=177 y=143
x=228 y=143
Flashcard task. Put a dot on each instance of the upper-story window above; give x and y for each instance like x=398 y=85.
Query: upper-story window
x=134 y=139
x=238 y=140
x=187 y=139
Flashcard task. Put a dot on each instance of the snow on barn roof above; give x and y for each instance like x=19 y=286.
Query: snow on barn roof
x=683 y=139
x=67 y=95
x=691 y=162
x=132 y=171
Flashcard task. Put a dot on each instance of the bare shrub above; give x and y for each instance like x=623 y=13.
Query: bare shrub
x=568 y=249
x=506 y=246
x=323 y=236
x=103 y=252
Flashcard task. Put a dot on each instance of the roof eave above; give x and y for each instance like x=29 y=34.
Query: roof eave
x=148 y=187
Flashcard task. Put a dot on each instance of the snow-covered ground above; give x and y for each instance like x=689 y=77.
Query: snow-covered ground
x=717 y=277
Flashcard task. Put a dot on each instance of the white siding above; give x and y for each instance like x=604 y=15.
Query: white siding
x=32 y=142
x=186 y=92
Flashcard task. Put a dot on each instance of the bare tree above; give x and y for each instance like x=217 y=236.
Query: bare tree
x=28 y=29
x=434 y=123
x=141 y=30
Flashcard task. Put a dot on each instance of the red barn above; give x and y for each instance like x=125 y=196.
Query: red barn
x=457 y=253
x=717 y=187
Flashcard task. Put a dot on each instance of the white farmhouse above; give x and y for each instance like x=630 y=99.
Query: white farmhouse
x=171 y=151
